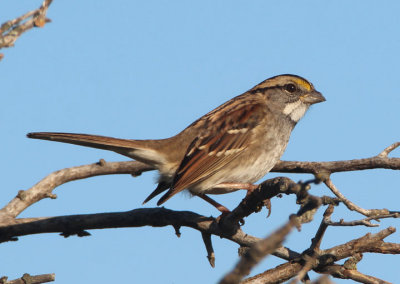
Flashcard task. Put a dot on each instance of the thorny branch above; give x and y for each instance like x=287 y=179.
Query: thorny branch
x=321 y=261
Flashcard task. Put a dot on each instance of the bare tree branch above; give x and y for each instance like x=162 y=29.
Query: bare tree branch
x=326 y=258
x=44 y=188
x=258 y=251
x=11 y=30
x=268 y=245
x=367 y=243
x=226 y=227
x=26 y=278
x=339 y=271
x=77 y=224
x=381 y=161
x=363 y=222
x=279 y=274
x=311 y=255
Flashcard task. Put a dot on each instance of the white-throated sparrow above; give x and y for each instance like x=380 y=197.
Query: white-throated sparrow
x=225 y=150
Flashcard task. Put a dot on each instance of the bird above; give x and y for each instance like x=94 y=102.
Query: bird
x=227 y=149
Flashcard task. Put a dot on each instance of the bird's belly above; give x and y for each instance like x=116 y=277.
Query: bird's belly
x=242 y=170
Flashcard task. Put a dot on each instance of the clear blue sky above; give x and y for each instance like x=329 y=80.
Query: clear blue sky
x=146 y=69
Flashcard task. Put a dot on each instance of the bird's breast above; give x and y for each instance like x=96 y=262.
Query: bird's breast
x=252 y=164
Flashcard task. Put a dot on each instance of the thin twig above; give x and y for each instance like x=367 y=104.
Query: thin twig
x=11 y=30
x=210 y=251
x=313 y=252
x=363 y=222
x=389 y=149
x=350 y=205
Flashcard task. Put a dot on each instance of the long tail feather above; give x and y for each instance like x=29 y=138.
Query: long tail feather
x=142 y=150
x=94 y=141
x=146 y=151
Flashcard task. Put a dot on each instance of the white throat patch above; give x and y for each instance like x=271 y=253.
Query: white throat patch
x=295 y=110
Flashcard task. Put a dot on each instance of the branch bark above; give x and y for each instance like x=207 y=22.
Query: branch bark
x=26 y=278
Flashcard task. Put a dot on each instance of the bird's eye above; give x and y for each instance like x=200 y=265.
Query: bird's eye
x=291 y=88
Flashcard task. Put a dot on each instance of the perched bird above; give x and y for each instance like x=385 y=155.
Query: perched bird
x=227 y=149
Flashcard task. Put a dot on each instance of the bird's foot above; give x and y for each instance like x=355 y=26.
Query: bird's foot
x=221 y=208
x=267 y=204
x=237 y=185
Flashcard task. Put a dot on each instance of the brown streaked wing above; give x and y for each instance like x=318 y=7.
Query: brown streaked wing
x=216 y=146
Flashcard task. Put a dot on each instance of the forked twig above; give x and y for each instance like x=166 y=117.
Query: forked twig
x=351 y=206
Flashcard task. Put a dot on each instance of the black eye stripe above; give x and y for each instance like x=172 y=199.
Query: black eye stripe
x=264 y=89
x=291 y=88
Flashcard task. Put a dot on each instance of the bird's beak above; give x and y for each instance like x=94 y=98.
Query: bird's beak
x=313 y=97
